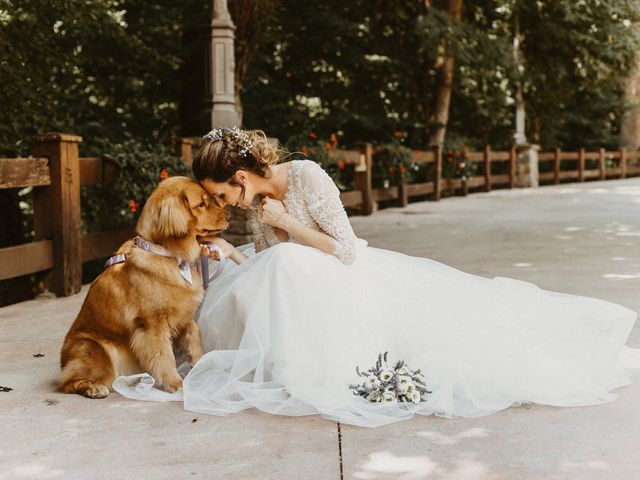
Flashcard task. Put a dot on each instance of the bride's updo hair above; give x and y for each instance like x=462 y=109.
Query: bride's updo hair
x=224 y=151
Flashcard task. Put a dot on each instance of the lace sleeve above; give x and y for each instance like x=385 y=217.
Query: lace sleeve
x=259 y=237
x=322 y=198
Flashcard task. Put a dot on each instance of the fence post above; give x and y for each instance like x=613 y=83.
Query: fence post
x=601 y=164
x=184 y=149
x=512 y=166
x=57 y=209
x=556 y=166
x=437 y=171
x=403 y=192
x=581 y=165
x=487 y=168
x=623 y=163
x=362 y=179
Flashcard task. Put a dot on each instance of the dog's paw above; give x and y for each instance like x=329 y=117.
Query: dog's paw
x=173 y=384
x=95 y=390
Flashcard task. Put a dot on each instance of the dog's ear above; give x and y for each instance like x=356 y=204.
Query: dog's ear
x=167 y=217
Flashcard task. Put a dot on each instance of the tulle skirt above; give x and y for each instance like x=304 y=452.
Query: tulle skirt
x=285 y=330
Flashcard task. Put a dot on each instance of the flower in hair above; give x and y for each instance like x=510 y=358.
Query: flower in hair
x=242 y=138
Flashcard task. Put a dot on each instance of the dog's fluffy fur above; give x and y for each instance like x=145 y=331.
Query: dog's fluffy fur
x=135 y=311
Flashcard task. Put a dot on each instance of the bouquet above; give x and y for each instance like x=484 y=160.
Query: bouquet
x=384 y=384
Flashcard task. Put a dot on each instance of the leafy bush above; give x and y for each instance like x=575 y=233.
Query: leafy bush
x=313 y=148
x=140 y=169
x=392 y=163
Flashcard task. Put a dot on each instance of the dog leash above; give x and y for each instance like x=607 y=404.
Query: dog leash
x=184 y=266
x=204 y=264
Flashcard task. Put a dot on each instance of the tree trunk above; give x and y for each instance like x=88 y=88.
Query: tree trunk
x=443 y=97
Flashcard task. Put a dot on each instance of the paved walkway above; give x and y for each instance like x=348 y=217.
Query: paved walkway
x=581 y=239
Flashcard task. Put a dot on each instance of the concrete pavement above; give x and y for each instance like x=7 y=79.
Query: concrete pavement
x=581 y=239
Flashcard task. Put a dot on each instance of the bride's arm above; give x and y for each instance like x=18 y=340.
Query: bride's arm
x=275 y=215
x=322 y=200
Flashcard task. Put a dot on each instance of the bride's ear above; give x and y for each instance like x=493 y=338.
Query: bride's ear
x=241 y=176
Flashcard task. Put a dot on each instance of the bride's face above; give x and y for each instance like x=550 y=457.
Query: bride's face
x=225 y=193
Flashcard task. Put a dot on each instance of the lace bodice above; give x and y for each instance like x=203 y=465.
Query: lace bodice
x=313 y=199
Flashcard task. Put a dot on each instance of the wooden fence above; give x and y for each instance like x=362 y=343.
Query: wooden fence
x=56 y=172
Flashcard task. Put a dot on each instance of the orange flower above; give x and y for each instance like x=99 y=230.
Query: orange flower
x=164 y=174
x=329 y=146
x=334 y=139
x=341 y=164
x=314 y=150
x=304 y=150
x=133 y=206
x=398 y=134
x=313 y=135
x=403 y=169
x=467 y=155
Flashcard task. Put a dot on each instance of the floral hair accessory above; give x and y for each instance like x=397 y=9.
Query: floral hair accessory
x=240 y=136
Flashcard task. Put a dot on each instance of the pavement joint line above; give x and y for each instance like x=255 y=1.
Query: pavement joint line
x=340 y=450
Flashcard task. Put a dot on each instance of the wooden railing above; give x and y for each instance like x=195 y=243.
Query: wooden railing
x=56 y=172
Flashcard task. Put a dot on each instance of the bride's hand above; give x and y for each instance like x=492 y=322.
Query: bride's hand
x=228 y=250
x=274 y=213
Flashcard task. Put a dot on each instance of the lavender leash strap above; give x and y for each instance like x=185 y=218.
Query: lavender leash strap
x=204 y=262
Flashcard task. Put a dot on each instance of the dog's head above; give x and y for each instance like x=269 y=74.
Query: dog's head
x=178 y=211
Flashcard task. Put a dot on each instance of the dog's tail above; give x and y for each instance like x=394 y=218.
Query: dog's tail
x=87 y=368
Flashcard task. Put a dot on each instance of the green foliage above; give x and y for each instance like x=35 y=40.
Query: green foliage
x=141 y=168
x=108 y=71
x=392 y=164
x=457 y=161
x=313 y=148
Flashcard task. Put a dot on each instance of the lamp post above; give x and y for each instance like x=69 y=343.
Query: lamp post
x=220 y=107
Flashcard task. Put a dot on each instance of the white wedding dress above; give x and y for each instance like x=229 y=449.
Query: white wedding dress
x=285 y=330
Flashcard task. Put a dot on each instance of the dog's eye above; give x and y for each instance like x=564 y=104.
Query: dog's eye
x=202 y=204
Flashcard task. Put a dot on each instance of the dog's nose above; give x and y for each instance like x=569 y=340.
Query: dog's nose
x=228 y=214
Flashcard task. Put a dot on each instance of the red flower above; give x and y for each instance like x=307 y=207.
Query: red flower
x=341 y=164
x=313 y=135
x=133 y=206
x=398 y=134
x=164 y=174
x=334 y=139
x=329 y=146
x=403 y=169
x=304 y=150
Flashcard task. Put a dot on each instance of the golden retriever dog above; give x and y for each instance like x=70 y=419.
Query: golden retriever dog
x=136 y=310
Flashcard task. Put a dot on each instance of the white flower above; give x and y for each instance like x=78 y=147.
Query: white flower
x=390 y=389
x=377 y=384
x=415 y=397
x=404 y=379
x=386 y=375
x=371 y=379
x=373 y=397
x=388 y=398
x=404 y=387
x=402 y=370
x=411 y=388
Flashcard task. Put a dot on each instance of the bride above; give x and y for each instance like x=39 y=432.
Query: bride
x=290 y=318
